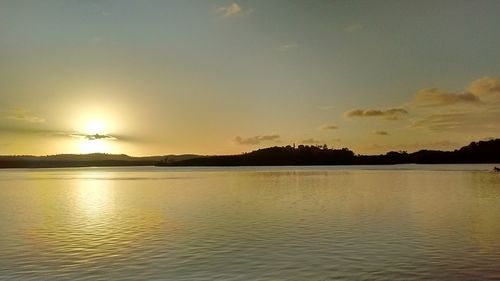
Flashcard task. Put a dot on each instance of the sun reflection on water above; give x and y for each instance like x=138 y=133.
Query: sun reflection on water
x=95 y=197
x=110 y=224
x=82 y=222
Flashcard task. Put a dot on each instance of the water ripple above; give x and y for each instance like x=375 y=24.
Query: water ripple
x=250 y=225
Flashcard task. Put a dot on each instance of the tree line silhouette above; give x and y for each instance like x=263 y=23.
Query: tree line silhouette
x=475 y=152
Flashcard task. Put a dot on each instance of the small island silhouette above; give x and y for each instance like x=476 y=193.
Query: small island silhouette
x=476 y=152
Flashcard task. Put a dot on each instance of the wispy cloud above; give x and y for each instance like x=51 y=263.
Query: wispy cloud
x=287 y=47
x=488 y=88
x=475 y=110
x=30 y=130
x=257 y=139
x=313 y=141
x=464 y=122
x=353 y=27
x=389 y=114
x=381 y=133
x=436 y=97
x=92 y=137
x=23 y=115
x=50 y=133
x=328 y=127
x=483 y=90
x=233 y=9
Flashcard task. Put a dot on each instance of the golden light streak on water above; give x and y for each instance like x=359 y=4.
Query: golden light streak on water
x=263 y=223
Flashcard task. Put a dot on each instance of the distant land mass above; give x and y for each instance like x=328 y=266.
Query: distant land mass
x=85 y=160
x=476 y=152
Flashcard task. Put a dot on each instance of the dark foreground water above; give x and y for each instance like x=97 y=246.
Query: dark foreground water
x=406 y=222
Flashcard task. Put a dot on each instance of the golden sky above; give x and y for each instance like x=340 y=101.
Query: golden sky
x=218 y=77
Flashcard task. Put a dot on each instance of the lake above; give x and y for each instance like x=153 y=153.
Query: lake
x=402 y=222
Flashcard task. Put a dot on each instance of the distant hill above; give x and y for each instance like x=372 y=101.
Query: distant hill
x=85 y=160
x=475 y=152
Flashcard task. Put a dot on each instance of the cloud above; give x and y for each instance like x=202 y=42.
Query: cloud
x=486 y=87
x=353 y=27
x=475 y=110
x=313 y=141
x=257 y=139
x=390 y=114
x=92 y=137
x=233 y=9
x=47 y=132
x=483 y=90
x=485 y=84
x=287 y=47
x=381 y=133
x=464 y=122
x=30 y=130
x=436 y=97
x=19 y=114
x=328 y=127
x=469 y=117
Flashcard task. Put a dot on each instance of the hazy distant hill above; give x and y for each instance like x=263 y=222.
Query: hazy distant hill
x=85 y=160
x=475 y=152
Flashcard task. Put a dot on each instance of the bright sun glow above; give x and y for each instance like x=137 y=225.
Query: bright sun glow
x=94 y=146
x=93 y=127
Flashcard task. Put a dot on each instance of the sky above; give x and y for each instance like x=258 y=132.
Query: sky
x=223 y=77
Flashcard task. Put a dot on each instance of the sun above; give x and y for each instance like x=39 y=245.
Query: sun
x=93 y=127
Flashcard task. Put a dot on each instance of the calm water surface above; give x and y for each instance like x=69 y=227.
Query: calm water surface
x=405 y=222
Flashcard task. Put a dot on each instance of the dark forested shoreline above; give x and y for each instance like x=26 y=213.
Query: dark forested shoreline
x=475 y=152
